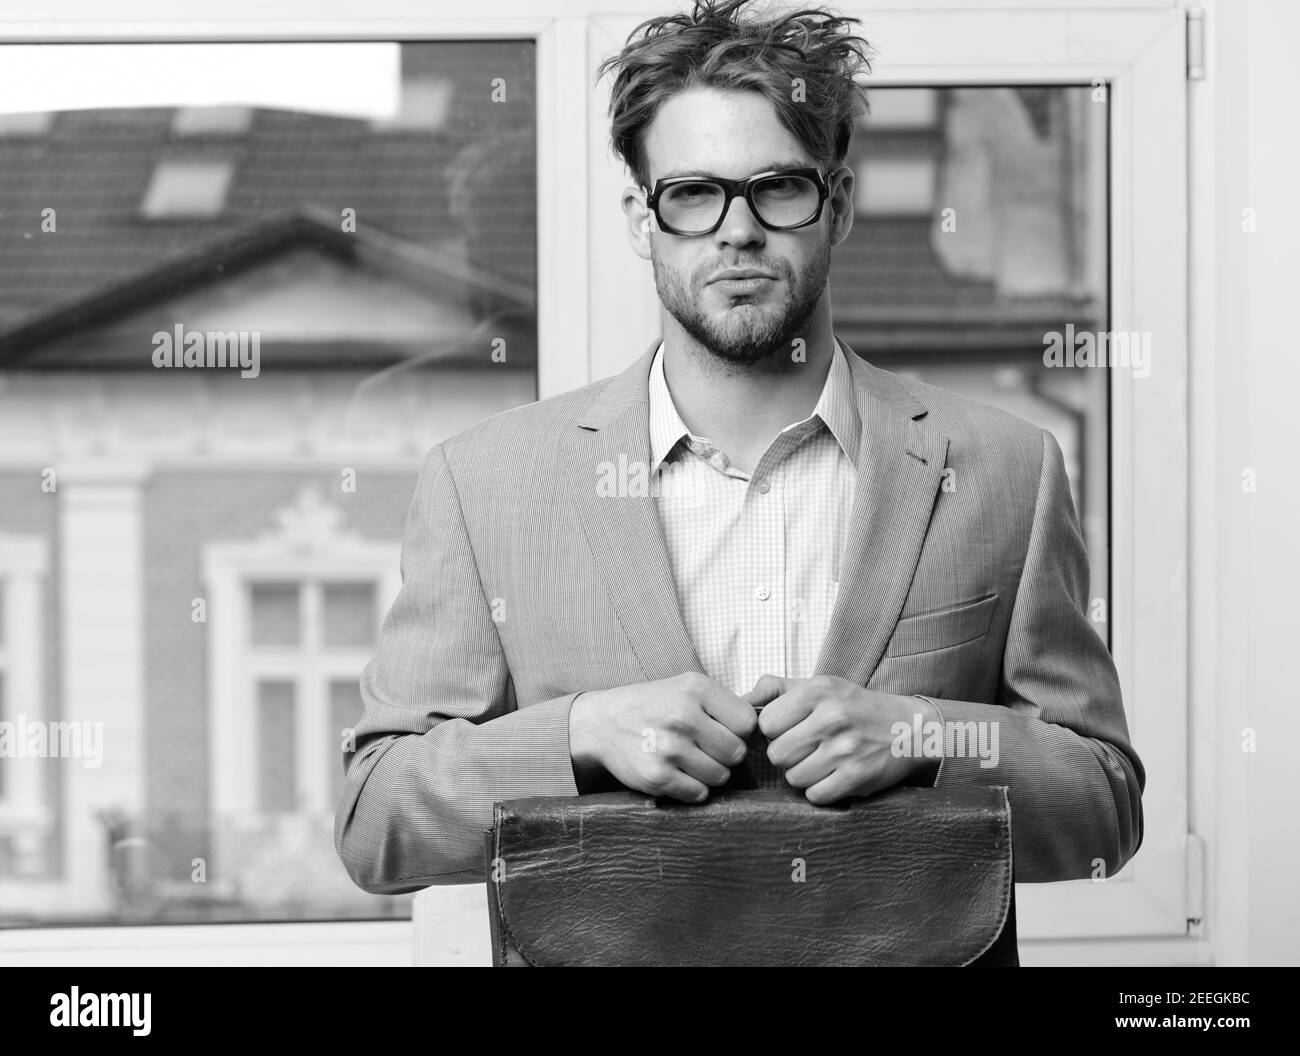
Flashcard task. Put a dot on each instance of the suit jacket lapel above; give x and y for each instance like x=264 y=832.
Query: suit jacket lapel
x=625 y=533
x=901 y=460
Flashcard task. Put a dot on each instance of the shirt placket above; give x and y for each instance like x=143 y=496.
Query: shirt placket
x=765 y=640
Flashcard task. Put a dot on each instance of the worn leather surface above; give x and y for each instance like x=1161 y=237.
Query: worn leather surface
x=913 y=876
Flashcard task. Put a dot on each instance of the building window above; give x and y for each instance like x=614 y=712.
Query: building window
x=425 y=105
x=294 y=617
x=212 y=120
x=306 y=643
x=26 y=125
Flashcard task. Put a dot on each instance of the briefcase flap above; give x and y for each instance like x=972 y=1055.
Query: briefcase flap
x=909 y=877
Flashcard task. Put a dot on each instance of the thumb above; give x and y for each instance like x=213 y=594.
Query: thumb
x=766 y=690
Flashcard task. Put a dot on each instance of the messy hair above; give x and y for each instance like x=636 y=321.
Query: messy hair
x=805 y=63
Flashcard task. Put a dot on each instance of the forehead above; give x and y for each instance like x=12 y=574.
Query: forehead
x=721 y=133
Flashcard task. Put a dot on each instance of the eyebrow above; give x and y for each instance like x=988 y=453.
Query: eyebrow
x=785 y=163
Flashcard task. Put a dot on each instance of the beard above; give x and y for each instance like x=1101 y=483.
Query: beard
x=752 y=332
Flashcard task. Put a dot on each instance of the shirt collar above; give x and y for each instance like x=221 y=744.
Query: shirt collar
x=837 y=409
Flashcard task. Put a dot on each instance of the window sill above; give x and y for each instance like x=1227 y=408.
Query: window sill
x=372 y=944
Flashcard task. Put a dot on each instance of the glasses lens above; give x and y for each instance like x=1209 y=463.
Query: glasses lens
x=784 y=201
x=691 y=206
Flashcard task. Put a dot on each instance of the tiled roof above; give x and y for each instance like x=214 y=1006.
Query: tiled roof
x=309 y=239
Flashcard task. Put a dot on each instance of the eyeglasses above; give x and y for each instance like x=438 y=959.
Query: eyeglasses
x=782 y=200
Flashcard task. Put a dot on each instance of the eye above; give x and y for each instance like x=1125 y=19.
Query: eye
x=691 y=193
x=783 y=186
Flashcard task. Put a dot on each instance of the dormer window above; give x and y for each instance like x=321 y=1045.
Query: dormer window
x=191 y=189
x=212 y=120
x=426 y=102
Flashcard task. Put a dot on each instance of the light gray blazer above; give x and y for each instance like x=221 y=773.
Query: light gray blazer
x=522 y=587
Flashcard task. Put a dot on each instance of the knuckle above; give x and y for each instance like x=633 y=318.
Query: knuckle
x=844 y=746
x=657 y=780
x=694 y=682
x=670 y=749
x=832 y=715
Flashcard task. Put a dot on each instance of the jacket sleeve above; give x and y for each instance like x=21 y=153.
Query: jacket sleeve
x=440 y=737
x=1075 y=782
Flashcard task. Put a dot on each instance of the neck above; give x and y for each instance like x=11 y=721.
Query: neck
x=742 y=408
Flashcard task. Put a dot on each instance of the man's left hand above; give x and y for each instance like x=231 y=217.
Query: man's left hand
x=833 y=737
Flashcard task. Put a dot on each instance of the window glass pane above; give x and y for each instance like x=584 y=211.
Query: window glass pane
x=275 y=614
x=187 y=189
x=349 y=614
x=212 y=120
x=345 y=711
x=979 y=246
x=14 y=125
x=276 y=747
x=4 y=717
x=289 y=274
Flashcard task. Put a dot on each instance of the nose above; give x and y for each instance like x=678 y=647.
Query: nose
x=739 y=227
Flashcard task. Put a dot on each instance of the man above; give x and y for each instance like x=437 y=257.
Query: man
x=604 y=586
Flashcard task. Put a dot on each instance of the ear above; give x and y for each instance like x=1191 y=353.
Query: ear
x=840 y=203
x=640 y=221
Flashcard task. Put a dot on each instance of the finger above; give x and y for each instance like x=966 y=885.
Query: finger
x=795 y=745
x=811 y=768
x=787 y=710
x=704 y=768
x=718 y=742
x=767 y=689
x=681 y=786
x=734 y=713
x=847 y=781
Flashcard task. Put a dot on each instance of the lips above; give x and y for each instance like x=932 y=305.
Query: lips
x=742 y=273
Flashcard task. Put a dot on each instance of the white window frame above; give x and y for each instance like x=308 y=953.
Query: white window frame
x=1140 y=54
x=592 y=296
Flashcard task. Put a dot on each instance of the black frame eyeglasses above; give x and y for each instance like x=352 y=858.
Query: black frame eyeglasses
x=747 y=189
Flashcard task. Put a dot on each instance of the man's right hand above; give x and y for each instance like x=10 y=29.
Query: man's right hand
x=675 y=737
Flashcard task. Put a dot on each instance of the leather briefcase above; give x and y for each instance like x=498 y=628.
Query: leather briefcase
x=911 y=876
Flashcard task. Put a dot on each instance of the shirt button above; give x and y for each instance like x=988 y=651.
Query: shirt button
x=764 y=486
x=763 y=593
